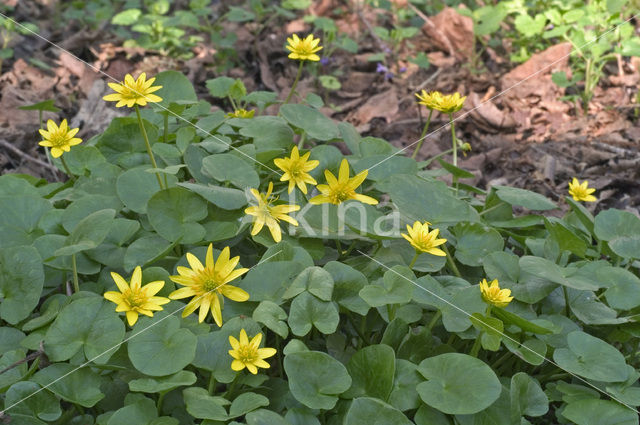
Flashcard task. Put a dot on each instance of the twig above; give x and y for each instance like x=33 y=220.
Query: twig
x=427 y=21
x=26 y=156
x=30 y=357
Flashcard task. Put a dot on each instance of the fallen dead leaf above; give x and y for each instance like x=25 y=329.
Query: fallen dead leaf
x=384 y=105
x=449 y=28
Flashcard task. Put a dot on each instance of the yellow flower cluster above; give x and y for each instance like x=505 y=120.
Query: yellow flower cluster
x=424 y=240
x=303 y=49
x=437 y=101
x=132 y=92
x=59 y=139
x=241 y=113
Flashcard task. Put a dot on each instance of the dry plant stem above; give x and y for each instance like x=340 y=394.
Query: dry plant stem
x=295 y=83
x=146 y=141
x=424 y=131
x=76 y=285
x=66 y=169
x=27 y=157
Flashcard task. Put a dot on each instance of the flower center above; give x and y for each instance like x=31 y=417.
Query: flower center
x=133 y=92
x=247 y=354
x=134 y=298
x=58 y=138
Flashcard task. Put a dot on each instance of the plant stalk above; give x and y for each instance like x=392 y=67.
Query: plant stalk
x=295 y=83
x=76 y=285
x=413 y=261
x=424 y=131
x=146 y=141
x=66 y=169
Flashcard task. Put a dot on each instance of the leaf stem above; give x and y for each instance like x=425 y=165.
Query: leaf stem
x=434 y=320
x=295 y=83
x=146 y=141
x=212 y=385
x=476 y=346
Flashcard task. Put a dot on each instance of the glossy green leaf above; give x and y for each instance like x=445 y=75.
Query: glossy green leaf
x=316 y=379
x=21 y=282
x=599 y=412
x=174 y=214
x=307 y=311
x=372 y=370
x=370 y=411
x=312 y=121
x=73 y=384
x=88 y=233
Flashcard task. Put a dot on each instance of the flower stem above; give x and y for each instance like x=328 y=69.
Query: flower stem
x=66 y=169
x=424 y=131
x=76 y=285
x=454 y=142
x=295 y=83
x=452 y=264
x=413 y=261
x=146 y=141
x=160 y=400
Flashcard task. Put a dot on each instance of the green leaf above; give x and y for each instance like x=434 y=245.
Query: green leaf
x=272 y=316
x=615 y=6
x=203 y=406
x=455 y=171
x=312 y=121
x=524 y=198
x=347 y=285
x=88 y=233
x=176 y=88
x=143 y=250
x=88 y=324
x=10 y=338
x=163 y=348
x=220 y=87
x=31 y=402
x=591 y=358
x=315 y=280
x=265 y=417
x=565 y=237
x=224 y=197
x=269 y=280
x=316 y=379
x=599 y=412
x=19 y=216
x=308 y=311
x=372 y=370
x=458 y=384
x=382 y=167
x=527 y=398
x=492 y=330
x=246 y=403
x=45 y=105
x=396 y=288
x=367 y=411
x=269 y=133
x=174 y=214
x=76 y=385
x=21 y=282
x=127 y=17
x=163 y=384
x=475 y=241
x=427 y=200
x=226 y=167
x=624 y=292
x=85 y=206
x=404 y=395
x=621 y=229
x=140 y=412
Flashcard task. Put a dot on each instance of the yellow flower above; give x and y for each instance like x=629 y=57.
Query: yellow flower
x=241 y=113
x=59 y=139
x=424 y=240
x=494 y=295
x=303 y=49
x=208 y=284
x=268 y=214
x=133 y=92
x=135 y=299
x=343 y=188
x=296 y=169
x=450 y=103
x=581 y=192
x=431 y=99
x=249 y=354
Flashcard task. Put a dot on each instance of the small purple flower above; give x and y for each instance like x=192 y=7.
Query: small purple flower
x=380 y=68
x=324 y=61
x=386 y=50
x=388 y=76
x=403 y=69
